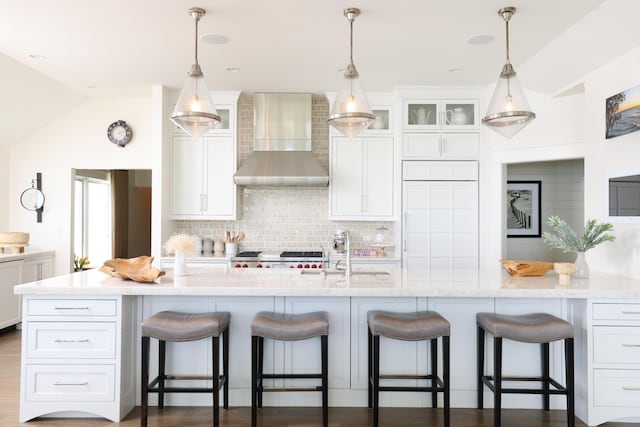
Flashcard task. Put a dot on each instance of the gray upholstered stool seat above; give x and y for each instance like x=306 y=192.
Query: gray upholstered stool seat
x=175 y=326
x=290 y=327
x=532 y=328
x=421 y=325
x=413 y=326
x=536 y=328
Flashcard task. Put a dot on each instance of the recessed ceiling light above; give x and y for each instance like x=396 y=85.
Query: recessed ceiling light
x=214 y=38
x=36 y=56
x=233 y=69
x=454 y=70
x=480 y=39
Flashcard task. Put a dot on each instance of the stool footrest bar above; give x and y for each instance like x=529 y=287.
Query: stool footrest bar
x=279 y=389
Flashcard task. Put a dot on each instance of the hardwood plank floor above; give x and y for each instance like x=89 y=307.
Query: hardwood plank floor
x=269 y=417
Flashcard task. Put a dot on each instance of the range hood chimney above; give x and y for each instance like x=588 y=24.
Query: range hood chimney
x=282 y=143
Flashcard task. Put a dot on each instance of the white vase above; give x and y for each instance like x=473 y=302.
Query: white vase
x=582 y=268
x=180 y=264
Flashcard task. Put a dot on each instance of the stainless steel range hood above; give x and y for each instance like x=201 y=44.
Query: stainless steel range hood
x=282 y=143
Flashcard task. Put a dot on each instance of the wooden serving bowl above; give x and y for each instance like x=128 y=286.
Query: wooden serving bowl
x=526 y=268
x=137 y=269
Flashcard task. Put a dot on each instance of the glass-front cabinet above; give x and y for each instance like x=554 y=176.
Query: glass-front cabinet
x=383 y=123
x=423 y=114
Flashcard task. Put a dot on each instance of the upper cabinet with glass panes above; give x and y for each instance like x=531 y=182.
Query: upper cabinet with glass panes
x=423 y=114
x=383 y=123
x=225 y=109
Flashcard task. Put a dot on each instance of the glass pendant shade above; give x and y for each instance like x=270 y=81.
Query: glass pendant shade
x=351 y=112
x=194 y=111
x=508 y=111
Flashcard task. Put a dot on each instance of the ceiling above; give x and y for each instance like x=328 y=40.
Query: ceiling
x=121 y=47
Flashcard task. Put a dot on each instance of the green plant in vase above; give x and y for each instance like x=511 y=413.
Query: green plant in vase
x=565 y=239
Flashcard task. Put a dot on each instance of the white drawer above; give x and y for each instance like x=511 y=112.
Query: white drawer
x=71 y=340
x=616 y=344
x=72 y=307
x=70 y=383
x=602 y=311
x=616 y=387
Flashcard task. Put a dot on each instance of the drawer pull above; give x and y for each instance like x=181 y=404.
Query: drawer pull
x=631 y=388
x=71 y=308
x=59 y=383
x=631 y=312
x=78 y=340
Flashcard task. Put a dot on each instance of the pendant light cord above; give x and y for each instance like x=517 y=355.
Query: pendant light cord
x=197 y=19
x=507 y=37
x=351 y=41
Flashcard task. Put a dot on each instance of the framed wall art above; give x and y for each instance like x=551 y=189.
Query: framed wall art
x=623 y=113
x=523 y=208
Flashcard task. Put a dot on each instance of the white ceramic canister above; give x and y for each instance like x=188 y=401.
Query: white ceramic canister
x=207 y=246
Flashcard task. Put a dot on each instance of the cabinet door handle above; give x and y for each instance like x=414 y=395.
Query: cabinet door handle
x=630 y=388
x=364 y=203
x=71 y=308
x=59 y=383
x=631 y=312
x=631 y=345
x=73 y=341
x=205 y=204
x=200 y=202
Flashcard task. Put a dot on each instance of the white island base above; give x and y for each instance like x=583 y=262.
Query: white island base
x=81 y=337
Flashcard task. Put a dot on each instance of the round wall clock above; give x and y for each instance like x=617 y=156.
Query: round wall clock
x=119 y=133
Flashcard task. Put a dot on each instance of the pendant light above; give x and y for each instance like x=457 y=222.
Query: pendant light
x=194 y=111
x=509 y=111
x=351 y=112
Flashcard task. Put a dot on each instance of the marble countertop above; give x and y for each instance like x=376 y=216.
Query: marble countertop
x=26 y=255
x=289 y=282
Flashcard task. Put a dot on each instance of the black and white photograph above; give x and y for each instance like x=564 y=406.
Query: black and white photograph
x=523 y=208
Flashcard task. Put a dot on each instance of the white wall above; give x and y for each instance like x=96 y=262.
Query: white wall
x=76 y=140
x=4 y=188
x=613 y=157
x=562 y=184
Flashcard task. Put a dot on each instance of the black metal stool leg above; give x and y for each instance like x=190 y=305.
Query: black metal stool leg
x=569 y=362
x=445 y=378
x=480 y=367
x=434 y=372
x=225 y=366
x=215 y=359
x=376 y=378
x=545 y=375
x=162 y=352
x=325 y=379
x=369 y=367
x=144 y=382
x=497 y=380
x=260 y=369
x=254 y=381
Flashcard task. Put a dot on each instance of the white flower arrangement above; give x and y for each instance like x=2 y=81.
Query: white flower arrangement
x=180 y=243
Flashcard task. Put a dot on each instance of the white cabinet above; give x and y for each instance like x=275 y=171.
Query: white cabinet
x=611 y=356
x=202 y=178
x=78 y=356
x=202 y=169
x=434 y=145
x=9 y=303
x=440 y=217
x=37 y=269
x=440 y=114
x=362 y=173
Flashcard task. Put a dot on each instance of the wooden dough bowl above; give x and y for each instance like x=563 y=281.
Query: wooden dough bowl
x=137 y=269
x=526 y=268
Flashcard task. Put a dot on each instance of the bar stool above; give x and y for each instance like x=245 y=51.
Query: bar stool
x=417 y=326
x=537 y=328
x=287 y=327
x=179 y=327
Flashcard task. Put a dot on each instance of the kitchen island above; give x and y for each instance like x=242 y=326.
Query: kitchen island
x=81 y=335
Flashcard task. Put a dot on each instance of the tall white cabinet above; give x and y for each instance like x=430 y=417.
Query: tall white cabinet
x=440 y=214
x=202 y=168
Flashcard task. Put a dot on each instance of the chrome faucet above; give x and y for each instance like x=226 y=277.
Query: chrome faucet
x=347 y=248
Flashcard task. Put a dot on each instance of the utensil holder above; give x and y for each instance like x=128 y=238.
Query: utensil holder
x=231 y=248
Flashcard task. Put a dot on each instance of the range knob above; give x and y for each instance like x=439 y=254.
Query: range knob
x=299 y=265
x=314 y=266
x=245 y=266
x=306 y=266
x=237 y=266
x=258 y=265
x=268 y=266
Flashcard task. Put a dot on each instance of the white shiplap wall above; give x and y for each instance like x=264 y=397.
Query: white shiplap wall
x=562 y=194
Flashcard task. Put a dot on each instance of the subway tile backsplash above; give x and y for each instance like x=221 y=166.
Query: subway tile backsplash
x=277 y=218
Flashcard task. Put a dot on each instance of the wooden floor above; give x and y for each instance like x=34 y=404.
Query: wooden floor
x=269 y=417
